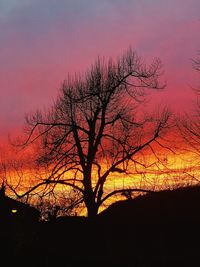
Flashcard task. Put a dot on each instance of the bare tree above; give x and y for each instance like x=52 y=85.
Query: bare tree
x=189 y=126
x=196 y=64
x=61 y=204
x=190 y=123
x=97 y=127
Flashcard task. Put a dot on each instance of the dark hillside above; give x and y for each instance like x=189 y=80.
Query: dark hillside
x=177 y=204
x=156 y=229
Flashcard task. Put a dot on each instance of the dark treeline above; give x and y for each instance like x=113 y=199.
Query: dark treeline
x=156 y=229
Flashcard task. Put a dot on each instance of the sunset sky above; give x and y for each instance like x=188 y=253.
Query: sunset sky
x=41 y=41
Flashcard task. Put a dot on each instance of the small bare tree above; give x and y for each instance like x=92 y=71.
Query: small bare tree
x=190 y=124
x=196 y=64
x=189 y=127
x=97 y=127
x=60 y=204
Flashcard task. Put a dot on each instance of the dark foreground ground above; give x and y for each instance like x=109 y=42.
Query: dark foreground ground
x=158 y=229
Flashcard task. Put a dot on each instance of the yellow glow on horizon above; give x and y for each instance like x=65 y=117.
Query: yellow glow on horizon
x=171 y=171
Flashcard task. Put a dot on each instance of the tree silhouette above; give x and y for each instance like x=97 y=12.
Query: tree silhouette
x=96 y=127
x=196 y=64
x=189 y=124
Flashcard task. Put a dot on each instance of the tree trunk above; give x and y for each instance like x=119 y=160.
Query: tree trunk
x=92 y=211
x=89 y=195
x=91 y=205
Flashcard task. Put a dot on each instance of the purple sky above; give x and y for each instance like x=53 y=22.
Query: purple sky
x=41 y=41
